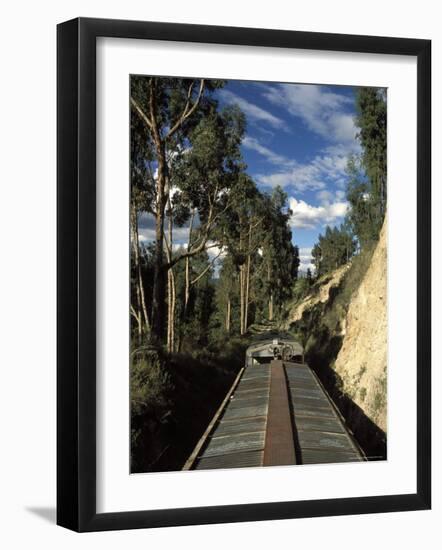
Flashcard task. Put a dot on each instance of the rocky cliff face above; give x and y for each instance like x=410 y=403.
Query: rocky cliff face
x=362 y=360
x=320 y=295
x=343 y=321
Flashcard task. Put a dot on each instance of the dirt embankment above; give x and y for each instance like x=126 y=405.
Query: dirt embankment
x=362 y=359
x=343 y=322
x=320 y=295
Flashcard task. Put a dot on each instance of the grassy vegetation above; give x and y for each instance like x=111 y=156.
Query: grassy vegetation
x=320 y=331
x=173 y=397
x=320 y=326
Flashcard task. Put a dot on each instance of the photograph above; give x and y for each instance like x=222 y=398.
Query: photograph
x=258 y=273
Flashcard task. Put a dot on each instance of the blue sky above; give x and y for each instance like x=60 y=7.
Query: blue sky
x=299 y=136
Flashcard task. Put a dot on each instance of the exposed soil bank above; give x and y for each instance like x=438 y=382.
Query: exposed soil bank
x=344 y=323
x=362 y=359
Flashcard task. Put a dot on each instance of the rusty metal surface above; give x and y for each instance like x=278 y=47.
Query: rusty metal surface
x=237 y=440
x=238 y=460
x=278 y=414
x=316 y=456
x=192 y=458
x=311 y=423
x=252 y=441
x=243 y=425
x=321 y=434
x=279 y=447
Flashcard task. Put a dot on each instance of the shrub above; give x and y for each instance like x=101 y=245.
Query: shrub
x=149 y=381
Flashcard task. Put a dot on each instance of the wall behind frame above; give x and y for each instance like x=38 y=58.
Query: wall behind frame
x=27 y=278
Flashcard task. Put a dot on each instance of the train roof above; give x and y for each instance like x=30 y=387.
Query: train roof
x=242 y=434
x=267 y=339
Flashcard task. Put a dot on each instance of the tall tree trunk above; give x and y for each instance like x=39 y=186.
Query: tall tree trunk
x=136 y=314
x=271 y=293
x=159 y=272
x=152 y=119
x=136 y=311
x=228 y=314
x=158 y=302
x=138 y=317
x=247 y=293
x=247 y=281
x=172 y=310
x=140 y=287
x=171 y=291
x=241 y=278
x=171 y=300
x=187 y=266
x=186 y=285
x=241 y=296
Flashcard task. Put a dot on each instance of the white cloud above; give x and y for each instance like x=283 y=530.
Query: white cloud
x=268 y=154
x=301 y=177
x=214 y=250
x=307 y=216
x=323 y=111
x=326 y=197
x=180 y=235
x=321 y=171
x=304 y=266
x=305 y=252
x=340 y=195
x=305 y=260
x=253 y=111
x=343 y=127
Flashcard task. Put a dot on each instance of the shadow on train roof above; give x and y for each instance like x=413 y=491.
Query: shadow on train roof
x=268 y=346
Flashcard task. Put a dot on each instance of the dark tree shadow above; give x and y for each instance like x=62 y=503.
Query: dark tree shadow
x=370 y=437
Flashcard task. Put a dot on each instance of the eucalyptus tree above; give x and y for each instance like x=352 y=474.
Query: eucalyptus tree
x=240 y=232
x=169 y=108
x=141 y=180
x=203 y=181
x=205 y=178
x=333 y=249
x=281 y=257
x=194 y=326
x=371 y=120
x=227 y=291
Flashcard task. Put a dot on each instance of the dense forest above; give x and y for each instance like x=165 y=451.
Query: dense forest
x=366 y=191
x=194 y=299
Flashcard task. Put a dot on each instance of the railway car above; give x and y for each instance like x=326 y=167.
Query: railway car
x=277 y=412
x=282 y=347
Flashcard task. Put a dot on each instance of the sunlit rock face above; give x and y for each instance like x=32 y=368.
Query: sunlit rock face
x=362 y=359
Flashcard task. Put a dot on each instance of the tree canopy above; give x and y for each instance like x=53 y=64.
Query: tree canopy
x=237 y=264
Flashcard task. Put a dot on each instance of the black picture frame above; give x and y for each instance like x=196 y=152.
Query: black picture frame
x=76 y=274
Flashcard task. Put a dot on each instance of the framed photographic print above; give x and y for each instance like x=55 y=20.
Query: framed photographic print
x=243 y=274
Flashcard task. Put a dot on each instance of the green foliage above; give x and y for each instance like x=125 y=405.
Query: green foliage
x=366 y=187
x=211 y=304
x=150 y=402
x=371 y=105
x=333 y=249
x=281 y=257
x=363 y=216
x=173 y=399
x=320 y=328
x=301 y=288
x=149 y=381
x=367 y=173
x=205 y=171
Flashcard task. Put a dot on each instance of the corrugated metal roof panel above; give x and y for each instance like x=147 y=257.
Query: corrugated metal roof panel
x=238 y=438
